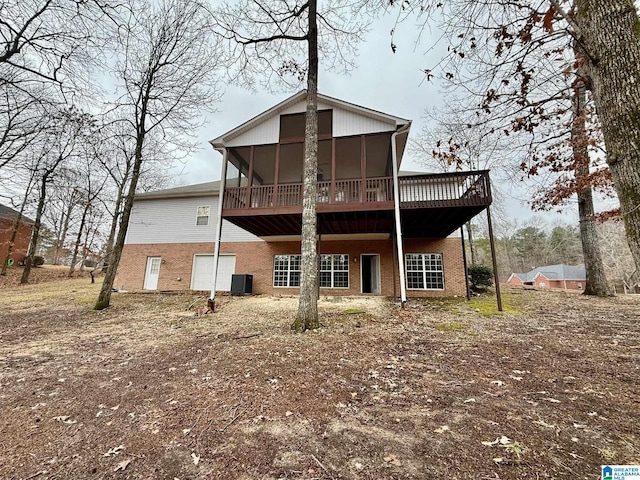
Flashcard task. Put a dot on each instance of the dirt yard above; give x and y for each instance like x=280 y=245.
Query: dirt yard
x=442 y=389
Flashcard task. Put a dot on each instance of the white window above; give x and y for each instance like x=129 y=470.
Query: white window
x=334 y=271
x=203 y=215
x=424 y=271
x=286 y=271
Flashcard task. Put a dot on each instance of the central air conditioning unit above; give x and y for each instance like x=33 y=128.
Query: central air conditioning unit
x=241 y=284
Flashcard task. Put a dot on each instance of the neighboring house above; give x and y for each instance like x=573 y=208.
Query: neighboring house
x=571 y=277
x=379 y=232
x=8 y=218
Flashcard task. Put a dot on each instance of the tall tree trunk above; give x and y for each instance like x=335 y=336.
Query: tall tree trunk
x=63 y=233
x=472 y=248
x=36 y=230
x=87 y=241
x=76 y=247
x=609 y=31
x=596 y=281
x=104 y=299
x=114 y=224
x=307 y=317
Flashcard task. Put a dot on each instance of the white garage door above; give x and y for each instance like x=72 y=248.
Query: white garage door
x=203 y=272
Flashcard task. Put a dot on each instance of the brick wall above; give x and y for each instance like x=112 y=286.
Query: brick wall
x=256 y=258
x=514 y=281
x=21 y=244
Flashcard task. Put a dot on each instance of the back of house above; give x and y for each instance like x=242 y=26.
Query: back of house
x=379 y=231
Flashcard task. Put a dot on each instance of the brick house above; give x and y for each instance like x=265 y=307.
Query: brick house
x=8 y=218
x=568 y=277
x=380 y=231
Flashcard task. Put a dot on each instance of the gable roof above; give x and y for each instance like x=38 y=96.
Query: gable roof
x=554 y=272
x=219 y=142
x=196 y=190
x=7 y=213
x=521 y=276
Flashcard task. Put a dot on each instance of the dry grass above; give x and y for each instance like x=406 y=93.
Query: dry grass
x=378 y=393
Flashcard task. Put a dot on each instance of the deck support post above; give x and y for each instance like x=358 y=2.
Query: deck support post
x=318 y=255
x=332 y=190
x=250 y=176
x=211 y=303
x=493 y=259
x=276 y=174
x=464 y=262
x=396 y=205
x=363 y=169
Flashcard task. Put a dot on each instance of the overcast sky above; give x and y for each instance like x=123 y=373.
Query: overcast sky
x=384 y=81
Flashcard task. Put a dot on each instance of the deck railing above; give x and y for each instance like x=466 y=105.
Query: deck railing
x=417 y=191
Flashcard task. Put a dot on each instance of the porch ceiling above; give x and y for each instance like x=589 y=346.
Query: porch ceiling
x=436 y=222
x=416 y=223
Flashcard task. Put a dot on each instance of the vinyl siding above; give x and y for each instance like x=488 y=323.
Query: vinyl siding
x=174 y=221
x=345 y=123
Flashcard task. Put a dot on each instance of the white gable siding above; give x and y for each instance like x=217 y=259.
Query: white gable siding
x=345 y=123
x=173 y=220
x=263 y=134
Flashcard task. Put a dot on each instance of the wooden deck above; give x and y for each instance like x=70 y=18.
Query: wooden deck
x=445 y=190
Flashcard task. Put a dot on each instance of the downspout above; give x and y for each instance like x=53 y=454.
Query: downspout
x=396 y=205
x=216 y=249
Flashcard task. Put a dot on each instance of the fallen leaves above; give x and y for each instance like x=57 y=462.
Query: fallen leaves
x=114 y=451
x=64 y=419
x=393 y=460
x=122 y=465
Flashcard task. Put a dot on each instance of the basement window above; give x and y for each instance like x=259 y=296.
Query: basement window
x=425 y=271
x=286 y=271
x=202 y=217
x=334 y=271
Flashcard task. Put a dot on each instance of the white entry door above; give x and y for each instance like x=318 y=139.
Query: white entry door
x=202 y=276
x=152 y=274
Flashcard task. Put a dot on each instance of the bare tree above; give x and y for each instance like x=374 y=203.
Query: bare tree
x=92 y=186
x=279 y=42
x=166 y=64
x=505 y=34
x=506 y=59
x=68 y=129
x=50 y=41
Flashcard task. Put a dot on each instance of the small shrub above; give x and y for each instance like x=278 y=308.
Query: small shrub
x=481 y=277
x=38 y=261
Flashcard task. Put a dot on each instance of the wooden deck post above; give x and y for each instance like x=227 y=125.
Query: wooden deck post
x=250 y=177
x=493 y=259
x=216 y=248
x=276 y=174
x=464 y=261
x=363 y=169
x=332 y=190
